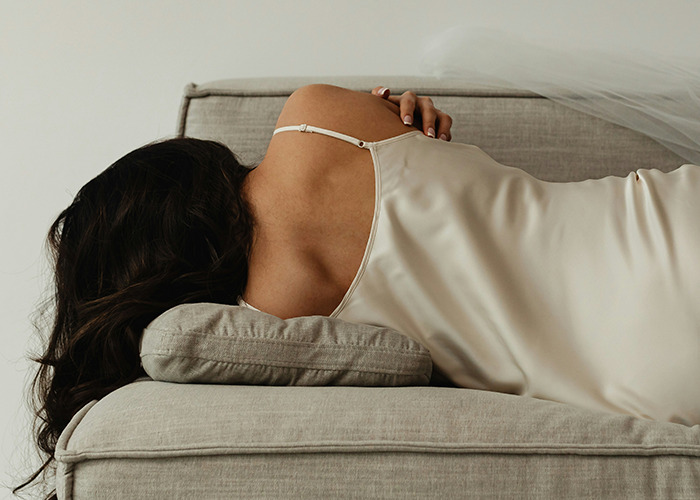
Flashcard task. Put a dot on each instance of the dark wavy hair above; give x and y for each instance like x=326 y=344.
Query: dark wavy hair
x=164 y=225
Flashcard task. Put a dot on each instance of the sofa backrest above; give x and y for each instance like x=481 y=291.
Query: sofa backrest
x=517 y=128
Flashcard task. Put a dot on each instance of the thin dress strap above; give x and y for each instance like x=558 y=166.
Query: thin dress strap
x=318 y=130
x=243 y=303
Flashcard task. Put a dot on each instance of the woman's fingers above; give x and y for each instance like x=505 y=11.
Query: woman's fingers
x=382 y=92
x=404 y=102
x=407 y=106
x=436 y=123
x=429 y=115
x=444 y=126
x=419 y=110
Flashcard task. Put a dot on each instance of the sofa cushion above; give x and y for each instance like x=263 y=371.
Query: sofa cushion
x=223 y=344
x=220 y=441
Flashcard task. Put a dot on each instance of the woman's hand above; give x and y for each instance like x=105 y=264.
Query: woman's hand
x=420 y=110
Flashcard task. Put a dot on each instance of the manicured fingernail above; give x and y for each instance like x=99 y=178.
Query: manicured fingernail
x=382 y=91
x=408 y=120
x=443 y=137
x=431 y=132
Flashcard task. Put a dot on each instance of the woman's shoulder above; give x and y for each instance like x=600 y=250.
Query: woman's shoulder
x=357 y=114
x=305 y=166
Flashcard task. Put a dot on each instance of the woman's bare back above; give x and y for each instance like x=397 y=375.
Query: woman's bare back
x=313 y=201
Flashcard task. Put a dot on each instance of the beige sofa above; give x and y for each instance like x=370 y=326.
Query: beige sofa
x=159 y=439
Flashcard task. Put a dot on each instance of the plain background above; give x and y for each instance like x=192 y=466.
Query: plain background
x=84 y=82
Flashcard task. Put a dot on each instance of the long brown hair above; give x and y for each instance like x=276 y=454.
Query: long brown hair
x=164 y=225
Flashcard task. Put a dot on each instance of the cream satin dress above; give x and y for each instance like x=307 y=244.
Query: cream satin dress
x=585 y=293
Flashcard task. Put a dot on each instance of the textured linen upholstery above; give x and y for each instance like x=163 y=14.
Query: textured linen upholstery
x=164 y=440
x=221 y=344
x=213 y=441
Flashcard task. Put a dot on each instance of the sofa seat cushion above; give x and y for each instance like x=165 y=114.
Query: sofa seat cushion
x=163 y=440
x=223 y=344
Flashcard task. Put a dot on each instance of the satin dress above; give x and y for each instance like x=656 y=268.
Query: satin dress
x=586 y=293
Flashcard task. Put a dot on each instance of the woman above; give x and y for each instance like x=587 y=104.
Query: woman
x=570 y=292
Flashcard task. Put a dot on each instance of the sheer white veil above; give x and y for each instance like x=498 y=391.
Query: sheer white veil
x=653 y=94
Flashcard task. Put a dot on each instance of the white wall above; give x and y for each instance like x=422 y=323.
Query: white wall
x=82 y=83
